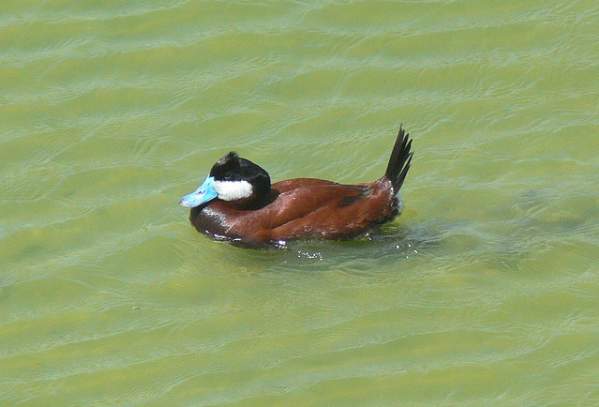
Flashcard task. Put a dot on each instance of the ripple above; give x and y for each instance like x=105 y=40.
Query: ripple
x=111 y=112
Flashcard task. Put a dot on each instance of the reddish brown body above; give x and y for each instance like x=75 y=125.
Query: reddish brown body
x=237 y=202
x=301 y=208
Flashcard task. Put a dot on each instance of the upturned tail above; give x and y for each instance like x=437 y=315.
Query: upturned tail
x=400 y=160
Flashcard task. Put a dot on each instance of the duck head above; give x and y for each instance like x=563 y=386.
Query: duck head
x=231 y=178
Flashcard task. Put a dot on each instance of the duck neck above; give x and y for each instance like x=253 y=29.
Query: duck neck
x=256 y=201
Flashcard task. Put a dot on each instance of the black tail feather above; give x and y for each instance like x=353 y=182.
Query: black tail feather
x=400 y=160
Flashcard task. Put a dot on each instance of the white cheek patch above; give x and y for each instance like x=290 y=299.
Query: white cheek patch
x=233 y=190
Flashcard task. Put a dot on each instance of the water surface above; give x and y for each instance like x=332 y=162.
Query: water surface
x=484 y=292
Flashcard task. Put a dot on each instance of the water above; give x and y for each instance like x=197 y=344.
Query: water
x=484 y=292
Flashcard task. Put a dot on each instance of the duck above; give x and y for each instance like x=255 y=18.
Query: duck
x=238 y=203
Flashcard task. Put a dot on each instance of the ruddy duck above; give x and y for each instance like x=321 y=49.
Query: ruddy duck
x=237 y=202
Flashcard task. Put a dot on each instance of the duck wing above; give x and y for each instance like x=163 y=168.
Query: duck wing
x=311 y=208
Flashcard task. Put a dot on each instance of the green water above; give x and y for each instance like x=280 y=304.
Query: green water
x=484 y=292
